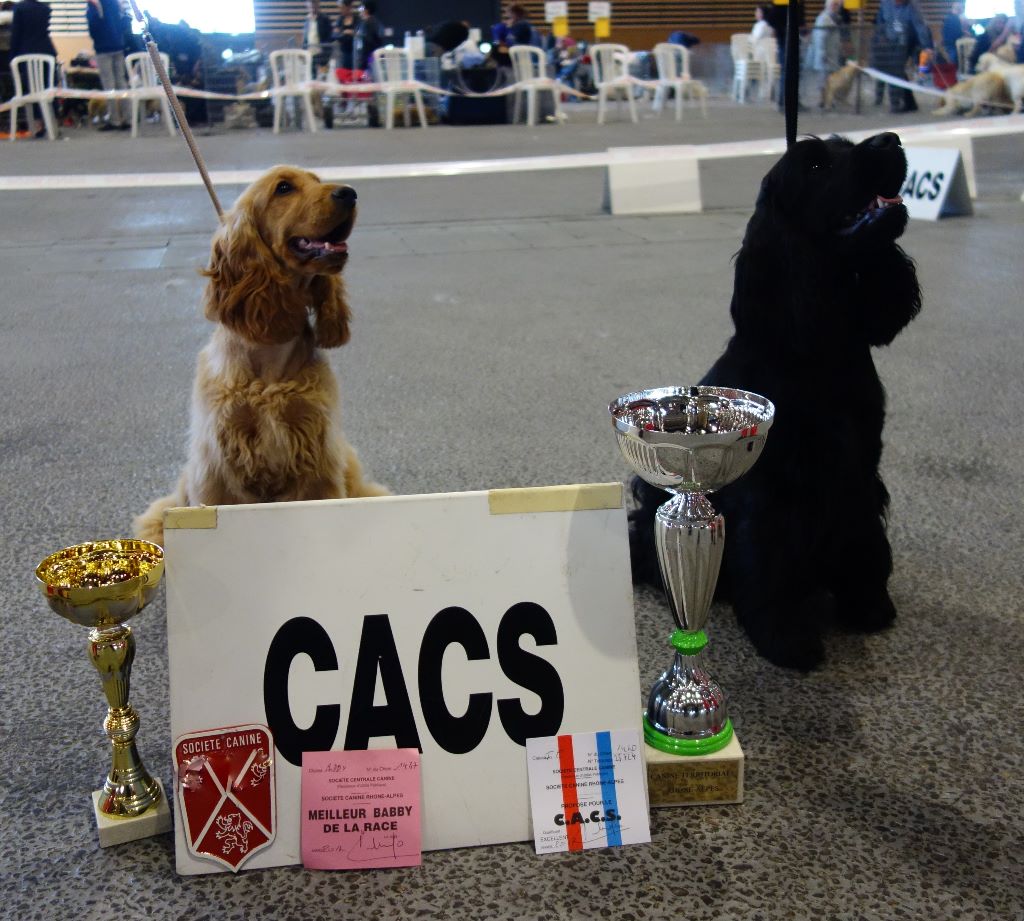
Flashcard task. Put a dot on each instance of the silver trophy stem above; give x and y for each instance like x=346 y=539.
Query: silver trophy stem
x=690 y=537
x=686 y=702
x=687 y=710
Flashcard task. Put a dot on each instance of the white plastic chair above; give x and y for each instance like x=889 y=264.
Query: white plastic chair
x=291 y=70
x=673 y=63
x=745 y=70
x=765 y=54
x=144 y=84
x=393 y=67
x=40 y=71
x=610 y=65
x=530 y=72
x=964 y=50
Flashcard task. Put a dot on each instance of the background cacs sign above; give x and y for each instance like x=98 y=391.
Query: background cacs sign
x=936 y=184
x=458 y=624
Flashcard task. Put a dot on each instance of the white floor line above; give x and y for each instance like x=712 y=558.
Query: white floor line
x=977 y=127
x=244 y=177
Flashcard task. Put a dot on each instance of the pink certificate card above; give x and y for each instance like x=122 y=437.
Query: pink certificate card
x=361 y=809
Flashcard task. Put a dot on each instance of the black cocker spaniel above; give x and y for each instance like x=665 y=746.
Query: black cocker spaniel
x=820 y=279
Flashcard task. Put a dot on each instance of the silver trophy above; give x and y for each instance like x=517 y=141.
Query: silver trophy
x=690 y=441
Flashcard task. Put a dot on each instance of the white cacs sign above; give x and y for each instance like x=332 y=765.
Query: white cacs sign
x=936 y=185
x=460 y=624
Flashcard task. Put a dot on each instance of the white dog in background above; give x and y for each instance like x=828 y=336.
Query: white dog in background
x=1012 y=74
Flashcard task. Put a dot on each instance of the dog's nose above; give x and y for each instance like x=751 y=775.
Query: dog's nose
x=345 y=194
x=885 y=139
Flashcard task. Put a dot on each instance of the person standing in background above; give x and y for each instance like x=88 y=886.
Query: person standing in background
x=761 y=28
x=900 y=33
x=316 y=36
x=105 y=29
x=6 y=18
x=954 y=27
x=997 y=33
x=824 y=53
x=345 y=35
x=369 y=35
x=30 y=34
x=520 y=32
x=445 y=37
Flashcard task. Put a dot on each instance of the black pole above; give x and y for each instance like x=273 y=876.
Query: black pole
x=792 y=72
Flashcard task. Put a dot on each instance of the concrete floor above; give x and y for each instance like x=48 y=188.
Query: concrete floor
x=887 y=785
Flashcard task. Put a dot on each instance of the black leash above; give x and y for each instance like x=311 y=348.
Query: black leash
x=791 y=77
x=179 y=114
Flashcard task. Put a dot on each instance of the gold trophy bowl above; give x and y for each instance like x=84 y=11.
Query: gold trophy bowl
x=100 y=585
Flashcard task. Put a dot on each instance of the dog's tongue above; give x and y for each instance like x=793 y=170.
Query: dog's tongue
x=324 y=246
x=884 y=202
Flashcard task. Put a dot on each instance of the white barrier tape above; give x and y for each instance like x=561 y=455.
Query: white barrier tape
x=320 y=86
x=410 y=85
x=927 y=90
x=151 y=91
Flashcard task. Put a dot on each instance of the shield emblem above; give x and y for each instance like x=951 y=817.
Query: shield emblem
x=224 y=780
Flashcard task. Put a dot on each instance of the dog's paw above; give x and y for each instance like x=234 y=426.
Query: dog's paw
x=865 y=613
x=150 y=528
x=787 y=639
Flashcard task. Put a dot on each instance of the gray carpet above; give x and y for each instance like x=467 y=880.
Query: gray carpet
x=887 y=785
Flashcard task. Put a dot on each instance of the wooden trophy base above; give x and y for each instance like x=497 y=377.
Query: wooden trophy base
x=695 y=780
x=154 y=821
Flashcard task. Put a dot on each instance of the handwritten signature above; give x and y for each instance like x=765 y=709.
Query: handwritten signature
x=372 y=847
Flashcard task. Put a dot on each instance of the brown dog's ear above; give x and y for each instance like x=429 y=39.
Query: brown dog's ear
x=247 y=289
x=330 y=309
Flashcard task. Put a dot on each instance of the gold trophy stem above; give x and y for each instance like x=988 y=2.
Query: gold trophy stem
x=129 y=789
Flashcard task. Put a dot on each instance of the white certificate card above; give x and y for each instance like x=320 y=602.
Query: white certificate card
x=587 y=790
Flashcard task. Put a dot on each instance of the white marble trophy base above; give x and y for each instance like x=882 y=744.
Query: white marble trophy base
x=695 y=780
x=154 y=821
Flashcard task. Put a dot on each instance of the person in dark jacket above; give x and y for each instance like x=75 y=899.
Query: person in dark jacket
x=369 y=35
x=345 y=34
x=105 y=28
x=954 y=27
x=30 y=29
x=447 y=36
x=316 y=35
x=900 y=33
x=30 y=34
x=996 y=34
x=520 y=31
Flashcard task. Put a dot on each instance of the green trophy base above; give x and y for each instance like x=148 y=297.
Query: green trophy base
x=154 y=821
x=695 y=780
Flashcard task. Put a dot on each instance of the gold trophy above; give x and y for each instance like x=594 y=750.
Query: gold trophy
x=102 y=584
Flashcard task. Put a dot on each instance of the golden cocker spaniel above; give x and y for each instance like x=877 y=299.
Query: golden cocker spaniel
x=265 y=420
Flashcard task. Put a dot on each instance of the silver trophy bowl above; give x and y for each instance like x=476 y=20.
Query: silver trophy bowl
x=690 y=441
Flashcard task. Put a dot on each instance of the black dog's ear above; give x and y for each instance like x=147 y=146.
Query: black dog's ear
x=757 y=260
x=754 y=308
x=889 y=294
